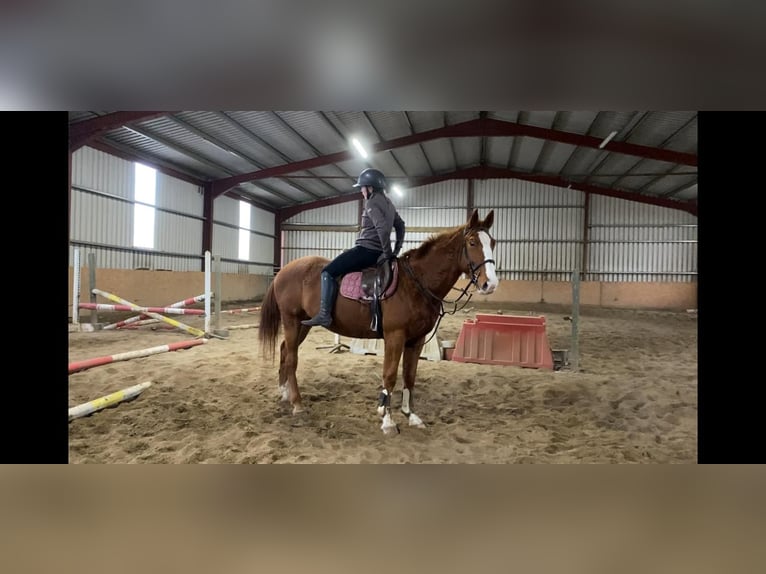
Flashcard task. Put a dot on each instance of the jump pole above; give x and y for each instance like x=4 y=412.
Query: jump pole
x=88 y=363
x=116 y=299
x=169 y=310
x=106 y=401
x=131 y=320
x=244 y=310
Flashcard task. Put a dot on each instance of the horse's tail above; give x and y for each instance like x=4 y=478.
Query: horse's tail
x=269 y=326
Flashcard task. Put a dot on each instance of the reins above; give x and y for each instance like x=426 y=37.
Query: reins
x=427 y=293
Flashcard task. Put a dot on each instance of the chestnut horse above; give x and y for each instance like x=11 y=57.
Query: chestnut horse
x=425 y=276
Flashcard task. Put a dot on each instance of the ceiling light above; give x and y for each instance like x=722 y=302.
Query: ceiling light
x=359 y=147
x=397 y=190
x=607 y=139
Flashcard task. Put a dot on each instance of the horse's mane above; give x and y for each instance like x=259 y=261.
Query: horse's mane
x=435 y=240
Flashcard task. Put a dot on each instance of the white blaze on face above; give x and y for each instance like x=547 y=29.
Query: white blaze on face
x=489 y=268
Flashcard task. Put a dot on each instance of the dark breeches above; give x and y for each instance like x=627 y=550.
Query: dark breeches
x=355 y=259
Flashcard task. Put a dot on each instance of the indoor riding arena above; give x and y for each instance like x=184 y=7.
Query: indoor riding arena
x=571 y=338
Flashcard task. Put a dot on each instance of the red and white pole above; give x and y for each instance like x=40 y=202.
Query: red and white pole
x=88 y=363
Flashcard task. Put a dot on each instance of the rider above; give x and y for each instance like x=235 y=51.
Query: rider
x=373 y=245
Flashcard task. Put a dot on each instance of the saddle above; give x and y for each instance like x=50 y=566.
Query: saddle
x=371 y=286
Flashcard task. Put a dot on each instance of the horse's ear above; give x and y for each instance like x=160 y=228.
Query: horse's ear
x=489 y=219
x=474 y=219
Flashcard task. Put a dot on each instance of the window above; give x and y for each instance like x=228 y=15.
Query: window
x=143 y=209
x=244 y=230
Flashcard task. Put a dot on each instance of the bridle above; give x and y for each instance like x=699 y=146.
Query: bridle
x=475 y=268
x=428 y=294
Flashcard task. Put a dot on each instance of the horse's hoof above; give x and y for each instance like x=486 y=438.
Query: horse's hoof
x=415 y=421
x=298 y=410
x=390 y=430
x=300 y=419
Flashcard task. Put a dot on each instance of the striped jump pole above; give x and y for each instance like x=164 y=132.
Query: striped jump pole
x=131 y=320
x=88 y=363
x=140 y=323
x=153 y=315
x=248 y=326
x=137 y=321
x=143 y=322
x=106 y=401
x=169 y=310
x=245 y=310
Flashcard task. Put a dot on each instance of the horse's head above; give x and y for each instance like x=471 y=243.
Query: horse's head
x=478 y=252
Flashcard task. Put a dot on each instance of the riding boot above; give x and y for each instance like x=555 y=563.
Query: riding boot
x=329 y=290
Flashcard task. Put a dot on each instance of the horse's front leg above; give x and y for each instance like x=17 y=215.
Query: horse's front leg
x=394 y=342
x=409 y=371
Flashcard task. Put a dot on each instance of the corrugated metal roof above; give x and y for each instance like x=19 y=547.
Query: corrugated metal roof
x=296 y=157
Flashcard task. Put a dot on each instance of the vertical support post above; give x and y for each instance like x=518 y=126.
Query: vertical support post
x=585 y=236
x=277 y=243
x=208 y=199
x=218 y=296
x=76 y=288
x=92 y=277
x=469 y=199
x=574 y=355
x=207 y=292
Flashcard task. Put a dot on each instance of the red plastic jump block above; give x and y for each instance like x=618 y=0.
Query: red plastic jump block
x=504 y=340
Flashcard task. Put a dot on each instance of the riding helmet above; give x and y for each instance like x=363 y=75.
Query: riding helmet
x=373 y=177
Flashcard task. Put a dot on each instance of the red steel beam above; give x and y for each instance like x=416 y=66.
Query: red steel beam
x=81 y=132
x=488 y=172
x=501 y=128
x=105 y=147
x=472 y=128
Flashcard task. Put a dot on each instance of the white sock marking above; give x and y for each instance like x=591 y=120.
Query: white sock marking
x=406 y=401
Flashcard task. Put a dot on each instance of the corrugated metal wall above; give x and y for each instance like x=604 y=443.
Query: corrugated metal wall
x=177 y=195
x=297 y=243
x=226 y=238
x=102 y=217
x=97 y=170
x=538 y=228
x=437 y=206
x=632 y=241
x=434 y=206
x=340 y=214
x=540 y=231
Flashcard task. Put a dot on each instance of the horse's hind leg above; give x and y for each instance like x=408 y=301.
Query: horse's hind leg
x=295 y=333
x=283 y=374
x=409 y=370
